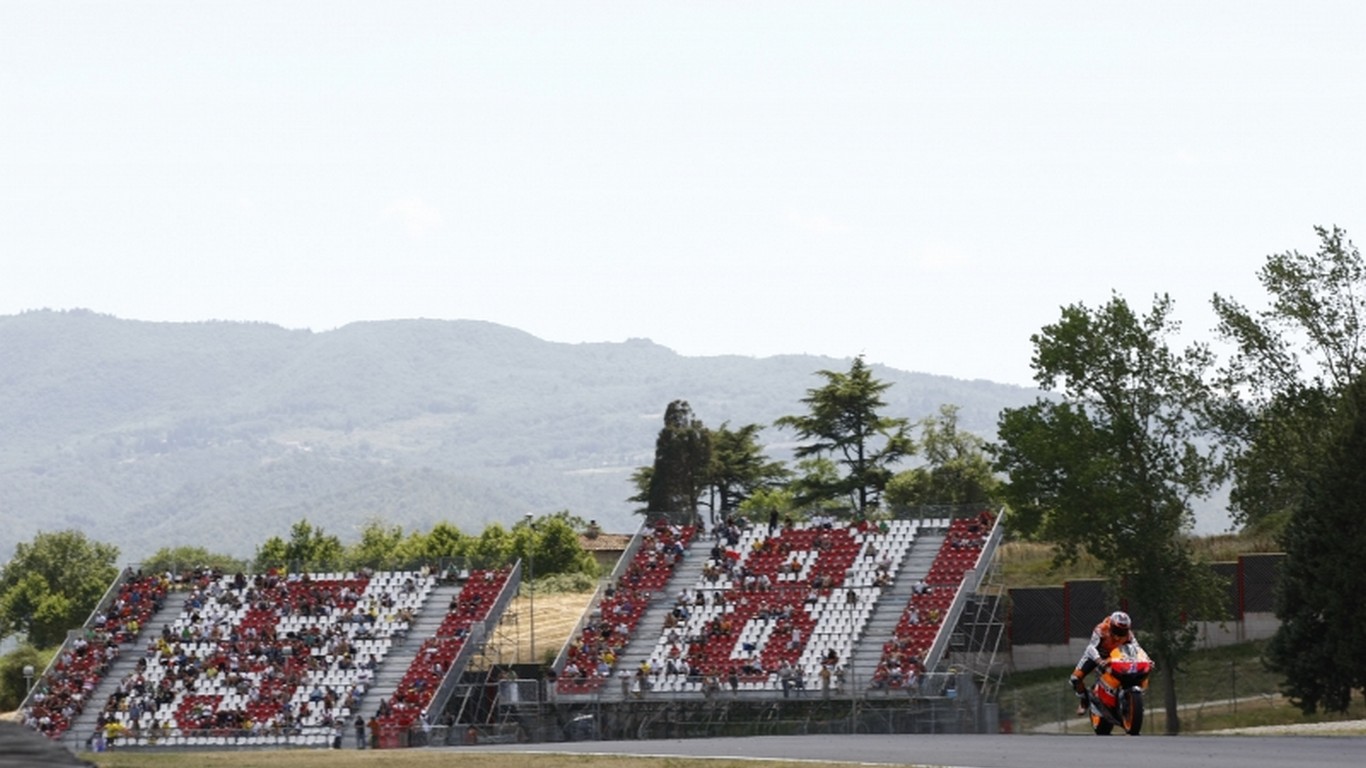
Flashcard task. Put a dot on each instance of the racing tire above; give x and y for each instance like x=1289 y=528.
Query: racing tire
x=1133 y=718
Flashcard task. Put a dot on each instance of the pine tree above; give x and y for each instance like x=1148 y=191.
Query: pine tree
x=844 y=425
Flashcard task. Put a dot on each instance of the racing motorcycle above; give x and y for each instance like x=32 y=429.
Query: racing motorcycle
x=1117 y=696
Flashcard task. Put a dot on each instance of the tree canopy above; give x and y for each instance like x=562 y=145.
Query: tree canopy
x=309 y=549
x=957 y=469
x=52 y=584
x=551 y=543
x=13 y=684
x=739 y=468
x=1110 y=466
x=177 y=559
x=1320 y=645
x=1294 y=359
x=843 y=423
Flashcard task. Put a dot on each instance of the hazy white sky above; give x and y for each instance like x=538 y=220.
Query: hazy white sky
x=923 y=183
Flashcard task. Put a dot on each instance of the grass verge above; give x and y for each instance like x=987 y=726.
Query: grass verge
x=413 y=758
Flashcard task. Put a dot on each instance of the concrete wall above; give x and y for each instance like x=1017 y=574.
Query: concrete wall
x=1255 y=626
x=1050 y=626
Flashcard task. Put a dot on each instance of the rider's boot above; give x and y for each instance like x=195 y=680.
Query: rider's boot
x=1078 y=687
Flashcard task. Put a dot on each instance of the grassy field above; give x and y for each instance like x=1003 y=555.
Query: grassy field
x=1030 y=564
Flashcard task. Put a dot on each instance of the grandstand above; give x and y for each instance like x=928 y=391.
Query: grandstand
x=805 y=607
x=871 y=620
x=270 y=660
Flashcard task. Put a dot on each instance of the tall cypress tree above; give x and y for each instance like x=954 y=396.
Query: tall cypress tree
x=681 y=468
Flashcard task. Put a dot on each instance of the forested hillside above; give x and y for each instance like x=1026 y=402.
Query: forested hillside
x=221 y=434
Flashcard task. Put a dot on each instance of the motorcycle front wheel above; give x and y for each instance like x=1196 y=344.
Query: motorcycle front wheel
x=1133 y=716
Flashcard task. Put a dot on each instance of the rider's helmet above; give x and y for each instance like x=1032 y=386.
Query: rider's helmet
x=1120 y=623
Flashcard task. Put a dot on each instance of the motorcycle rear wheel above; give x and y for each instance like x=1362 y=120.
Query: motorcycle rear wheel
x=1100 y=723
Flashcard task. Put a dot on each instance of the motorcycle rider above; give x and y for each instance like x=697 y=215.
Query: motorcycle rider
x=1115 y=630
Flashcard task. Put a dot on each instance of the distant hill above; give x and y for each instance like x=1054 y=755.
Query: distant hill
x=222 y=434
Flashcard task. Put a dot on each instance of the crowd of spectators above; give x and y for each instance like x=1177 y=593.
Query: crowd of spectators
x=902 y=663
x=592 y=656
x=755 y=610
x=63 y=691
x=433 y=661
x=270 y=653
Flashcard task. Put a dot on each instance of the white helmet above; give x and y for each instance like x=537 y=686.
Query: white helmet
x=1119 y=622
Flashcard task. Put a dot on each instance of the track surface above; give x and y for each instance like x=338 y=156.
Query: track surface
x=996 y=751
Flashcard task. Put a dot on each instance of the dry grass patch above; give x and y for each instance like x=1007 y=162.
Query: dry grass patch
x=556 y=616
x=1030 y=564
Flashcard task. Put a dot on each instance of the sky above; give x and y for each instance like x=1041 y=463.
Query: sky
x=922 y=183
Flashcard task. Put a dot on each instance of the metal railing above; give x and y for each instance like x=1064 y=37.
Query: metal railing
x=971 y=579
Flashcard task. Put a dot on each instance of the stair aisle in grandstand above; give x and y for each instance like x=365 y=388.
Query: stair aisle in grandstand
x=424 y=625
x=882 y=623
x=129 y=653
x=687 y=574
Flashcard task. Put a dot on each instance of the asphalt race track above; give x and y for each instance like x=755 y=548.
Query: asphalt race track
x=1018 y=751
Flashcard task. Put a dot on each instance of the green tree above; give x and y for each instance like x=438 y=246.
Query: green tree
x=766 y=501
x=640 y=480
x=576 y=523
x=957 y=469
x=1294 y=359
x=52 y=584
x=682 y=461
x=1320 y=645
x=308 y=549
x=843 y=424
x=1111 y=465
x=554 y=544
x=739 y=468
x=443 y=541
x=176 y=559
x=493 y=548
x=380 y=547
x=13 y=684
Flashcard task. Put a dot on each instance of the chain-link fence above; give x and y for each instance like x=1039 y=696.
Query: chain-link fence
x=1224 y=691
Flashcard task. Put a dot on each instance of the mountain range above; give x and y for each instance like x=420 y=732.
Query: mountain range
x=222 y=434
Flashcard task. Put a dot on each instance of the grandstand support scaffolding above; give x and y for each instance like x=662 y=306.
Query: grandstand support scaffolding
x=972 y=651
x=477 y=641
